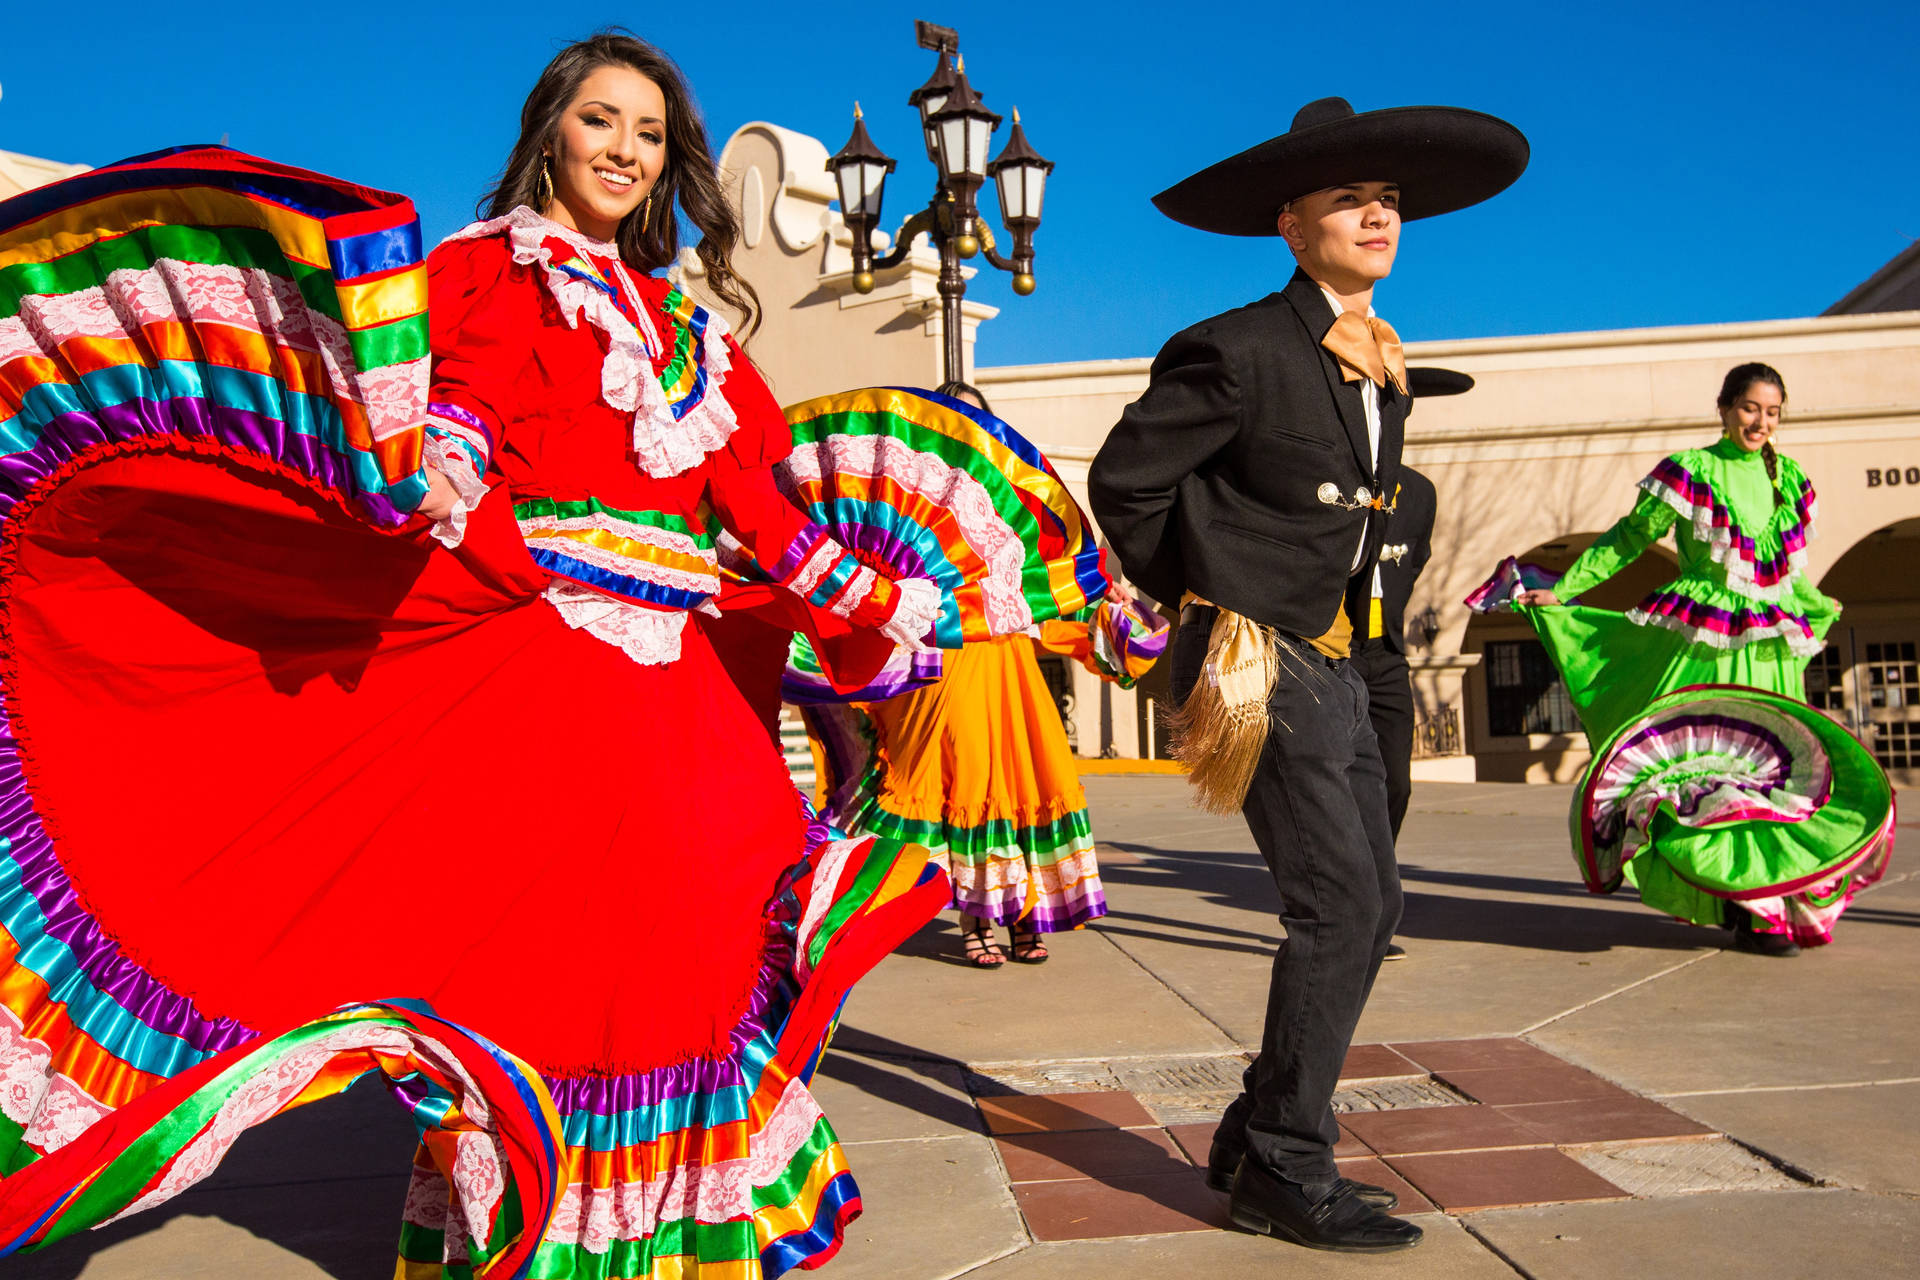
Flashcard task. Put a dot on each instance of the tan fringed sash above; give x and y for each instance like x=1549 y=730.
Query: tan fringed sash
x=1221 y=728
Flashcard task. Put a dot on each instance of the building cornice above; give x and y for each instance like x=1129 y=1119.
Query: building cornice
x=1891 y=414
x=1485 y=352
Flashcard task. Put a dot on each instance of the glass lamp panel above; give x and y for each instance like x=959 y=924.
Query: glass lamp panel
x=979 y=134
x=953 y=146
x=930 y=104
x=873 y=181
x=847 y=178
x=1012 y=183
x=1035 y=189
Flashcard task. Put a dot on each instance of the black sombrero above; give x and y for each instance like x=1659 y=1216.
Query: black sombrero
x=1444 y=158
x=1429 y=380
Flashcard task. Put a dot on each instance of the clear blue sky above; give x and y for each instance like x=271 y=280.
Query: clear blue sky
x=1691 y=162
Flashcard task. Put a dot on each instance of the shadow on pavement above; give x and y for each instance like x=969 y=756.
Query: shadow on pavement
x=1575 y=922
x=884 y=1069
x=325 y=1182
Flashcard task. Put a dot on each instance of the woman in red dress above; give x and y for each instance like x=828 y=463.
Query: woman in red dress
x=485 y=764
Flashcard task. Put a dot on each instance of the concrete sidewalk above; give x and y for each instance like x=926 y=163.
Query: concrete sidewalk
x=1795 y=1150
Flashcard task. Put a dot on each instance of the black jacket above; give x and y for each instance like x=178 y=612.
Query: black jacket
x=1404 y=551
x=1212 y=480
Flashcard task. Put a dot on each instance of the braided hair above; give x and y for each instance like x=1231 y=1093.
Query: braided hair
x=1738 y=380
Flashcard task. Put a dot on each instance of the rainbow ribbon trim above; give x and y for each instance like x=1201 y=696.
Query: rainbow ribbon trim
x=922 y=485
x=206 y=293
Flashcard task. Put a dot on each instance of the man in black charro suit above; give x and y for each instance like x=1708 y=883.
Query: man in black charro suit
x=1250 y=482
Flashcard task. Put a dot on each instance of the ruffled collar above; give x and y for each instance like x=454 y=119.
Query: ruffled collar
x=1727 y=450
x=673 y=429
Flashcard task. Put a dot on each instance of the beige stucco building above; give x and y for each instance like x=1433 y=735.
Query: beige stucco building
x=23 y=173
x=1539 y=459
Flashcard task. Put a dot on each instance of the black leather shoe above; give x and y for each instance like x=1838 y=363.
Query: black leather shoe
x=1751 y=940
x=1395 y=952
x=1220 y=1178
x=1321 y=1215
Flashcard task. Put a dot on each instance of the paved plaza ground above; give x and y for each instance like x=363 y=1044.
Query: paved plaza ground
x=1562 y=1086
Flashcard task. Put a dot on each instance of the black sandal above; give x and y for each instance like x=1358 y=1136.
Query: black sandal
x=980 y=949
x=1029 y=947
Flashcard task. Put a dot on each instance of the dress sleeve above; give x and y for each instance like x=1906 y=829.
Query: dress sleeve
x=1618 y=547
x=795 y=552
x=1189 y=412
x=481 y=318
x=1115 y=642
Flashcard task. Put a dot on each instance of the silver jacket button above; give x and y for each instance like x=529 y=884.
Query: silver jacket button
x=1329 y=493
x=1363 y=495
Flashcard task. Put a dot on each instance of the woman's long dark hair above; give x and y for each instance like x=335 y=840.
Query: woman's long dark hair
x=1738 y=379
x=691 y=177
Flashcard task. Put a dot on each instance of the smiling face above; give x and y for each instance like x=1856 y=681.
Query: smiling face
x=608 y=152
x=1345 y=237
x=1754 y=415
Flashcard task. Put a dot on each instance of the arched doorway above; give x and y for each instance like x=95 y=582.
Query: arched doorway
x=1869 y=674
x=1520 y=723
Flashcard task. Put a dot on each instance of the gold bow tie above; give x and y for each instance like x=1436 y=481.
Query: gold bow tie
x=1367 y=347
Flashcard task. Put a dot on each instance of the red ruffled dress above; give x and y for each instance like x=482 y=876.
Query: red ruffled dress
x=284 y=762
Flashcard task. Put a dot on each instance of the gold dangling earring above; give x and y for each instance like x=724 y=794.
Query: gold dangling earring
x=543 y=192
x=646 y=213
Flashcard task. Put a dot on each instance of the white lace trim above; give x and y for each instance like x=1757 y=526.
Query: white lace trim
x=593 y=1218
x=651 y=637
x=590 y=553
x=913 y=617
x=651 y=534
x=856 y=591
x=1788 y=629
x=248 y=299
x=662 y=445
x=1718 y=541
x=453 y=462
x=938 y=481
x=49 y=1105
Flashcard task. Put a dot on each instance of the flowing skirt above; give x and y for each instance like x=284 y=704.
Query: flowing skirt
x=262 y=763
x=976 y=768
x=1714 y=788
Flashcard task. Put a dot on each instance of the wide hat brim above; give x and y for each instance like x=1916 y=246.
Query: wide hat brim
x=1426 y=381
x=1443 y=158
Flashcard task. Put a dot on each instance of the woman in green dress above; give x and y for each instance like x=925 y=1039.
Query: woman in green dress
x=1714 y=788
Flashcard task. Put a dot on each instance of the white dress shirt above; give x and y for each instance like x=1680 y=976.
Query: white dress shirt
x=1370 y=400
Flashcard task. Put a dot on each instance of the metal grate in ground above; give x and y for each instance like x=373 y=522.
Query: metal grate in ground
x=1397 y=1095
x=1682 y=1168
x=1187 y=1090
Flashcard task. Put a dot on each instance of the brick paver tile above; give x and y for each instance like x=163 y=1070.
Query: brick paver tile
x=1380 y=1174
x=1462 y=1182
x=1197 y=1141
x=1507 y=1086
x=1374 y=1061
x=1621 y=1119
x=1058 y=1112
x=1424 y=1129
x=1473 y=1055
x=1158 y=1204
x=1090 y=1153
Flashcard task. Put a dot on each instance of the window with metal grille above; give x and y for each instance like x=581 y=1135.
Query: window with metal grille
x=1896 y=745
x=1893 y=675
x=1826 y=681
x=1524 y=693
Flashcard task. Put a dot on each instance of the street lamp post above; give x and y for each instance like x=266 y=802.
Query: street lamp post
x=956 y=128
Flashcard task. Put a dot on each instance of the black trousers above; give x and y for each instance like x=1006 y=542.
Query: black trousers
x=1318 y=812
x=1390 y=709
